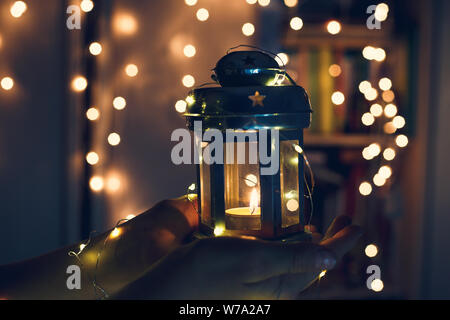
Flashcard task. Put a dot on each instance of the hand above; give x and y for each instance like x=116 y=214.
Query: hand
x=236 y=268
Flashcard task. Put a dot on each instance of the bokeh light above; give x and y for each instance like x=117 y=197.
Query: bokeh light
x=114 y=139
x=188 y=81
x=333 y=27
x=296 y=23
x=334 y=70
x=337 y=98
x=92 y=158
x=87 y=5
x=371 y=250
x=202 y=14
x=96 y=183
x=93 y=114
x=79 y=83
x=7 y=83
x=189 y=50
x=248 y=29
x=131 y=70
x=95 y=48
x=365 y=188
x=18 y=8
x=119 y=103
x=401 y=140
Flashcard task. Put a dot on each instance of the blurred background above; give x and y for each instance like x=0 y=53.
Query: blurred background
x=86 y=116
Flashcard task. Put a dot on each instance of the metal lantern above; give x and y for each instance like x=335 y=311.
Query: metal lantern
x=243 y=194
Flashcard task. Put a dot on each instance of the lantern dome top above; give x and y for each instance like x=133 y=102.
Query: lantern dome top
x=246 y=68
x=250 y=96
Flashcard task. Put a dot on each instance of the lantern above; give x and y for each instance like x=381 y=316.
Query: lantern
x=249 y=135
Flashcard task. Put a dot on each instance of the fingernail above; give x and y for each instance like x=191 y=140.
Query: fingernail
x=325 y=260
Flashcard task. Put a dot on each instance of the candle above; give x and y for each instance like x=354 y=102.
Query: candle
x=245 y=218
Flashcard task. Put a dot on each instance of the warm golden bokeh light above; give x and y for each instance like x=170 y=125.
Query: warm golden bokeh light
x=389 y=128
x=7 y=83
x=385 y=172
x=333 y=27
x=251 y=180
x=96 y=183
x=367 y=119
x=378 y=180
x=371 y=250
x=93 y=114
x=377 y=285
x=92 y=158
x=114 y=139
x=87 y=5
x=95 y=48
x=113 y=184
x=374 y=149
x=119 y=103
x=364 y=86
x=115 y=233
x=389 y=154
x=290 y=3
x=292 y=205
x=376 y=110
x=334 y=70
x=398 y=122
x=371 y=94
x=337 y=98
x=202 y=14
x=365 y=188
x=18 y=8
x=385 y=84
x=401 y=140
x=180 y=106
x=388 y=96
x=188 y=81
x=371 y=53
x=282 y=59
x=264 y=3
x=131 y=70
x=381 y=11
x=191 y=2
x=79 y=83
x=125 y=24
x=248 y=29
x=390 y=110
x=189 y=50
x=296 y=23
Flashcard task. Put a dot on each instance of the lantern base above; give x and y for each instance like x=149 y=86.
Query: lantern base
x=289 y=238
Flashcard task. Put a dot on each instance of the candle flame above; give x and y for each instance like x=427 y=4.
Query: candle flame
x=253 y=201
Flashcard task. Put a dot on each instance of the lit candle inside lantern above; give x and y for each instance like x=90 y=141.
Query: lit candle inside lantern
x=245 y=218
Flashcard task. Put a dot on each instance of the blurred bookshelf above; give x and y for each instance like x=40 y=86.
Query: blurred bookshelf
x=337 y=137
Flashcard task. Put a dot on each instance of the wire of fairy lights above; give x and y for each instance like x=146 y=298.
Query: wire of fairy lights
x=99 y=291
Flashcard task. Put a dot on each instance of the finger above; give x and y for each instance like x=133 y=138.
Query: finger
x=316 y=237
x=338 y=224
x=310 y=228
x=343 y=241
x=278 y=259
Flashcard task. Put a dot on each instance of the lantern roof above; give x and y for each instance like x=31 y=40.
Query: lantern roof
x=250 y=96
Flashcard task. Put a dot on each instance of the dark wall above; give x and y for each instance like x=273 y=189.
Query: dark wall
x=31 y=130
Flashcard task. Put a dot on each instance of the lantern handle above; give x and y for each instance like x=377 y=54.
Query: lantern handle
x=255 y=47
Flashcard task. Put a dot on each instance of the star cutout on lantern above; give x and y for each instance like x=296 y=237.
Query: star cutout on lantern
x=257 y=99
x=249 y=61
